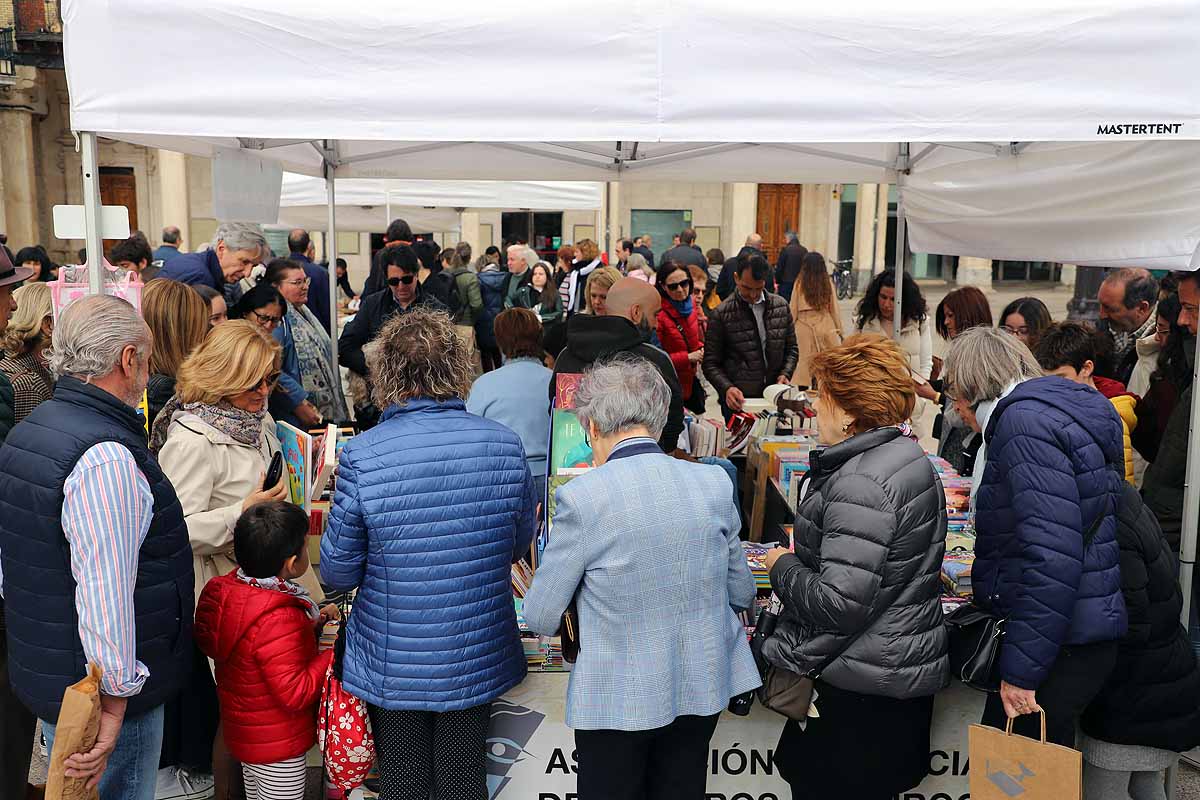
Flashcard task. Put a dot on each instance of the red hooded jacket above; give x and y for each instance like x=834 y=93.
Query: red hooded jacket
x=269 y=674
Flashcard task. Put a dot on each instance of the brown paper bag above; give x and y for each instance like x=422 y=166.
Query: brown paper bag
x=1004 y=766
x=78 y=727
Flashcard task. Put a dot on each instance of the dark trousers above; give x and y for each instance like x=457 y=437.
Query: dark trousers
x=16 y=729
x=1076 y=678
x=490 y=358
x=667 y=763
x=424 y=754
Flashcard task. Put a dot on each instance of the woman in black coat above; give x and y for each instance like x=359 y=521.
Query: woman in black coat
x=1149 y=710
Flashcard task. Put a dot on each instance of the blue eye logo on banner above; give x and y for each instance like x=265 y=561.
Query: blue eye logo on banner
x=511 y=729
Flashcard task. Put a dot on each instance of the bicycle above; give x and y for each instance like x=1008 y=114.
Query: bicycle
x=843 y=278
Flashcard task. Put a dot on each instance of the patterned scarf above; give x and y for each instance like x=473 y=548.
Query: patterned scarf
x=280 y=585
x=244 y=427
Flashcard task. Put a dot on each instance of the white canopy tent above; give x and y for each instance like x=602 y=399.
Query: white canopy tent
x=1061 y=129
x=369 y=204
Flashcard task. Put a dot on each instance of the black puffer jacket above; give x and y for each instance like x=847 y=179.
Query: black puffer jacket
x=870 y=536
x=1152 y=696
x=733 y=353
x=591 y=339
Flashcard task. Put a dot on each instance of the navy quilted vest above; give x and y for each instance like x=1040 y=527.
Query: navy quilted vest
x=44 y=651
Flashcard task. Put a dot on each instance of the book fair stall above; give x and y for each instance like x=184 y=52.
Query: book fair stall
x=1038 y=166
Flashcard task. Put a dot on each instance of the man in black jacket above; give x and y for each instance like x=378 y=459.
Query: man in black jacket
x=403 y=295
x=791 y=259
x=751 y=341
x=632 y=307
x=725 y=282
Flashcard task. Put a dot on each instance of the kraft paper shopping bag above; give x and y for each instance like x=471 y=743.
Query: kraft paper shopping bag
x=76 y=732
x=1004 y=766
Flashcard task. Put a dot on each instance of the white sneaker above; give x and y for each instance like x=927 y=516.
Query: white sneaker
x=175 y=783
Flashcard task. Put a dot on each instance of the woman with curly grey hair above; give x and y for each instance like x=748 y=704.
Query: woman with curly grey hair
x=433 y=505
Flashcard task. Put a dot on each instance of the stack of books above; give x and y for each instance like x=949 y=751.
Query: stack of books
x=756 y=557
x=956 y=572
x=522 y=579
x=706 y=437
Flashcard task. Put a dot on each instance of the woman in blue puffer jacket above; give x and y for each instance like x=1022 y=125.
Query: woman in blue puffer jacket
x=1046 y=553
x=432 y=507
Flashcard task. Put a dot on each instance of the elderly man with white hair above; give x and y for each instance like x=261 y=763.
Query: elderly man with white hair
x=644 y=715
x=236 y=248
x=521 y=259
x=97 y=562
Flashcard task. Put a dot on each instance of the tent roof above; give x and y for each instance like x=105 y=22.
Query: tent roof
x=633 y=70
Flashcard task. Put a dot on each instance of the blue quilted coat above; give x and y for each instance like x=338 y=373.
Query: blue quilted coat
x=432 y=507
x=1055 y=462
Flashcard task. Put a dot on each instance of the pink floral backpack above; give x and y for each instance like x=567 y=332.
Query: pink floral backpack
x=343 y=728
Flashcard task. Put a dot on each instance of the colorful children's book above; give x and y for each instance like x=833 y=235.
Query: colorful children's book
x=565 y=389
x=324 y=456
x=570 y=448
x=297 y=460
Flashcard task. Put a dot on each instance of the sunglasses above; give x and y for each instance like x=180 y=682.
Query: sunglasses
x=406 y=280
x=679 y=284
x=270 y=381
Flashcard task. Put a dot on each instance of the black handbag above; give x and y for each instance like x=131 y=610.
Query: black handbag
x=696 y=402
x=976 y=635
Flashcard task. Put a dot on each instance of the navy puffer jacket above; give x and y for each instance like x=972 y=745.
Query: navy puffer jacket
x=432 y=507
x=1055 y=462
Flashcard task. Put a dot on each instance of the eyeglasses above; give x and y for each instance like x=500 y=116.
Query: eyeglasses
x=266 y=319
x=1021 y=331
x=406 y=280
x=270 y=381
x=679 y=284
x=298 y=282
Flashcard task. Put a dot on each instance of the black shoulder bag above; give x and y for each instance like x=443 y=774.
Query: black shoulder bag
x=976 y=635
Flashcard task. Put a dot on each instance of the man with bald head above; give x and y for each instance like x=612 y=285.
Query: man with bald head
x=632 y=308
x=302 y=251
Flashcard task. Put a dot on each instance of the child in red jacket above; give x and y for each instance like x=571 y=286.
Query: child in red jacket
x=261 y=630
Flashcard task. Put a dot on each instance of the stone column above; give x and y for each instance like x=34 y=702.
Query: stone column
x=1067 y=275
x=881 y=226
x=743 y=215
x=865 y=220
x=975 y=272
x=18 y=160
x=175 y=207
x=815 y=202
x=468 y=231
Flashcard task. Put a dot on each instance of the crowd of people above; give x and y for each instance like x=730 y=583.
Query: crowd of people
x=154 y=548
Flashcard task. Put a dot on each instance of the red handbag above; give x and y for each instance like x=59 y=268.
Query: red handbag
x=344 y=728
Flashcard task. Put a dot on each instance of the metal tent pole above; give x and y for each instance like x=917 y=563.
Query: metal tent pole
x=1191 y=502
x=331 y=252
x=91 y=212
x=901 y=241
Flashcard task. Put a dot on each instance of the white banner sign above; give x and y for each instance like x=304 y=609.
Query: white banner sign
x=531 y=750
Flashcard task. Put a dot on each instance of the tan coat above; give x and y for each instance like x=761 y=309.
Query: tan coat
x=212 y=473
x=817 y=329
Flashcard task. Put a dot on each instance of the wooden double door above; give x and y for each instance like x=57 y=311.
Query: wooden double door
x=778 y=213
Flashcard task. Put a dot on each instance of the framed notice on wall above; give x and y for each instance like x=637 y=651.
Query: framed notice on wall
x=347 y=243
x=486 y=239
x=708 y=237
x=582 y=232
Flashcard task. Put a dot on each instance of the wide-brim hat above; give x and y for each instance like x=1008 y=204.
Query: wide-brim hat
x=10 y=274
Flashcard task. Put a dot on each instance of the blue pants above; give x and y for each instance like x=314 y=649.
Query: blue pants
x=132 y=770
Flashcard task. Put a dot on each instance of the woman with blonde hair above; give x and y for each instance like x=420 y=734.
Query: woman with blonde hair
x=861 y=591
x=179 y=320
x=432 y=640
x=815 y=314
x=25 y=343
x=637 y=267
x=215 y=440
x=598 y=284
x=587 y=261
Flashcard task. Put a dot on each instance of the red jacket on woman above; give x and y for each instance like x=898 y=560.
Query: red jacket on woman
x=269 y=675
x=678 y=343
